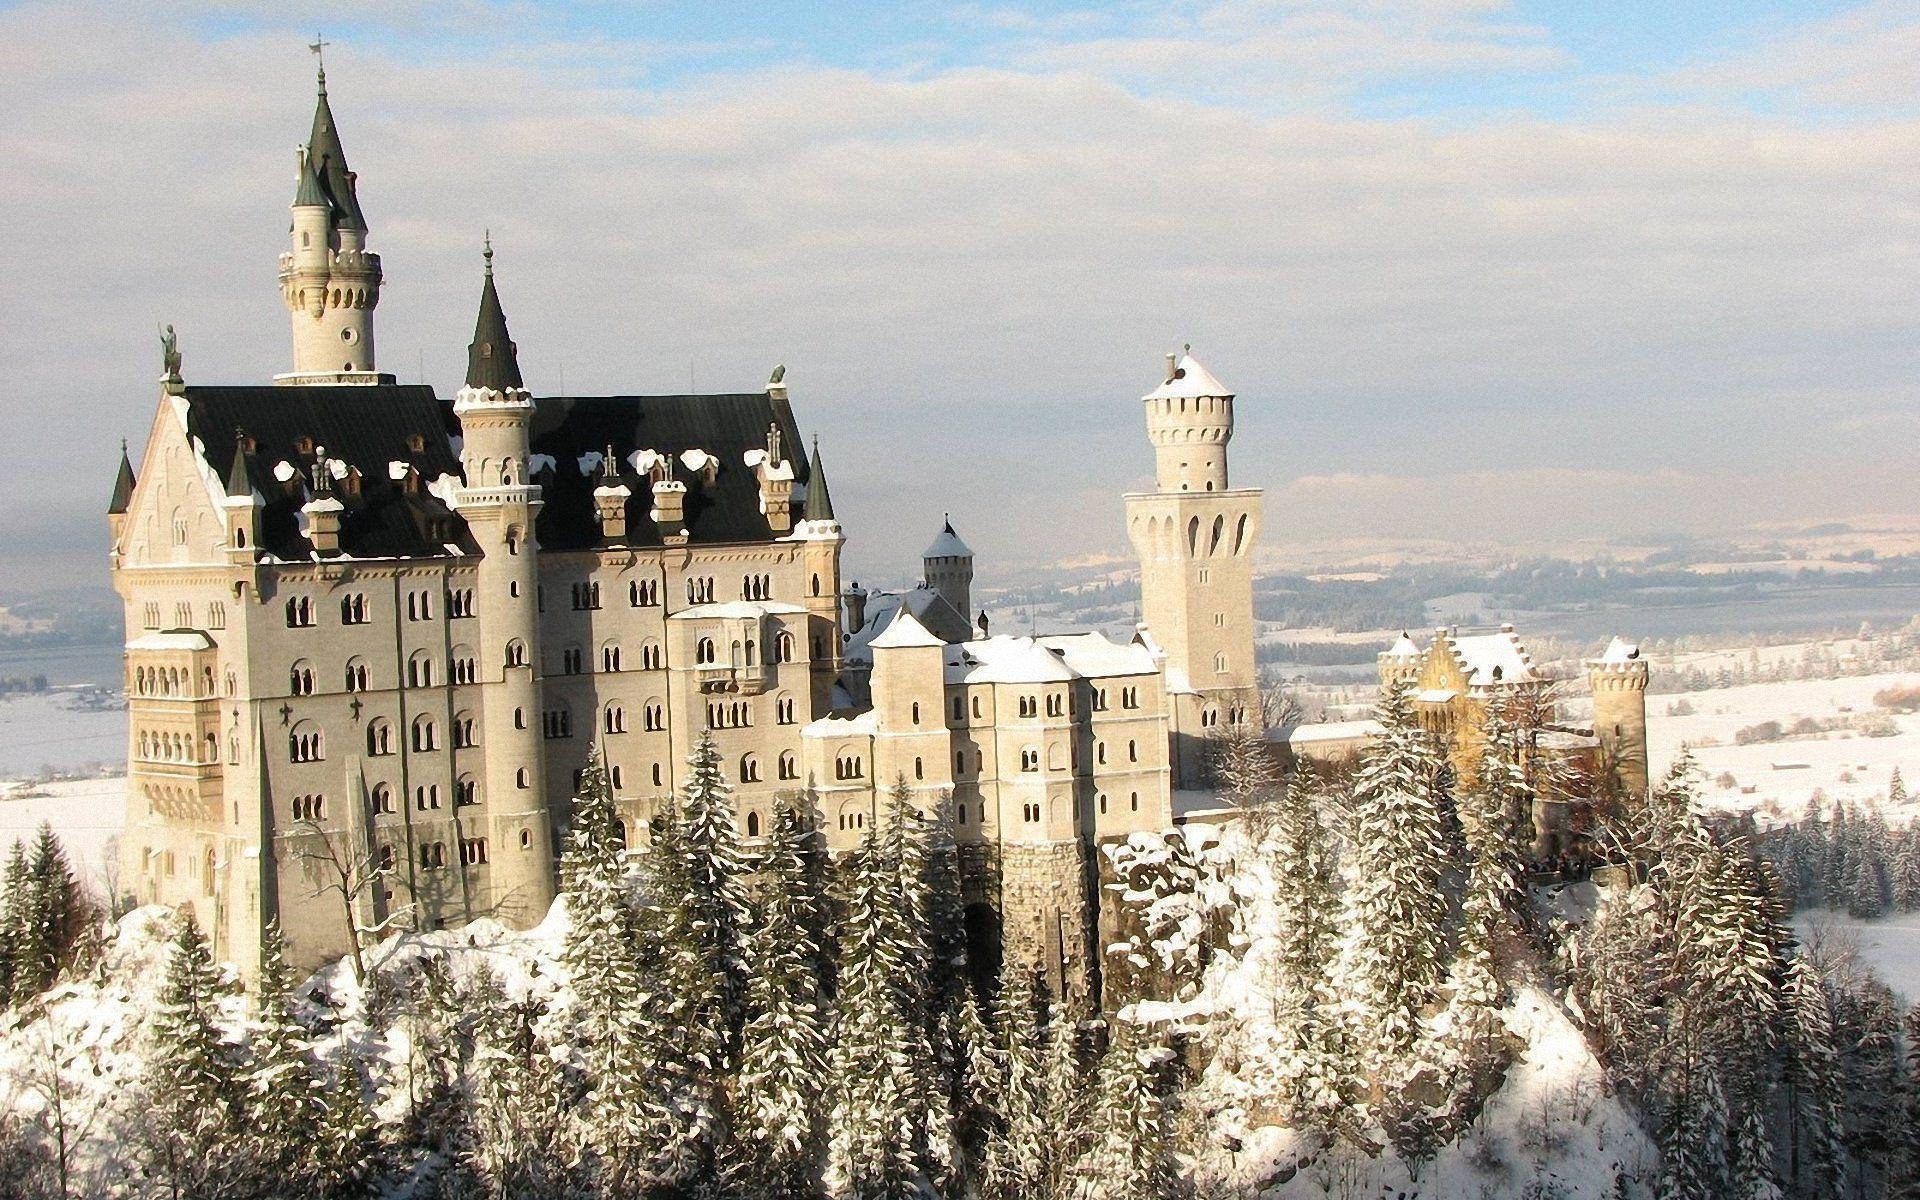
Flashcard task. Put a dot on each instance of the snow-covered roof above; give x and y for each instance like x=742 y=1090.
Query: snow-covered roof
x=1190 y=380
x=864 y=723
x=926 y=604
x=1435 y=695
x=1404 y=647
x=1490 y=659
x=1620 y=650
x=1329 y=731
x=1097 y=656
x=737 y=609
x=948 y=545
x=903 y=632
x=172 y=639
x=1054 y=658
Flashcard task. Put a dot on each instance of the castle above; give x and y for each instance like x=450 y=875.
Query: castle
x=372 y=636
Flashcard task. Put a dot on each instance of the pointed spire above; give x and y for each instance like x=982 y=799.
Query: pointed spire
x=309 y=193
x=239 y=479
x=122 y=484
x=328 y=161
x=492 y=360
x=819 y=502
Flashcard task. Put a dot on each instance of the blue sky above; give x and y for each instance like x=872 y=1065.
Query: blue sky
x=1480 y=269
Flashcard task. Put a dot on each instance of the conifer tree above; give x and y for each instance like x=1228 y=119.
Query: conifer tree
x=14 y=922
x=521 y=1140
x=191 y=1090
x=1018 y=1151
x=624 y=1122
x=872 y=1143
x=1395 y=908
x=783 y=1042
x=1129 y=1153
x=981 y=1079
x=285 y=1102
x=57 y=911
x=1896 y=788
x=1750 y=1172
x=1813 y=1075
x=718 y=910
x=347 y=1162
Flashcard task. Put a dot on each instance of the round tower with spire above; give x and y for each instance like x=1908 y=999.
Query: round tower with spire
x=823 y=537
x=948 y=568
x=500 y=502
x=1618 y=679
x=329 y=280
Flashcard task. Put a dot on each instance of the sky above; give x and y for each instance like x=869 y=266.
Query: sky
x=1476 y=268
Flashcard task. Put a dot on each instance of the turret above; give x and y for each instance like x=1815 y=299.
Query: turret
x=821 y=533
x=243 y=504
x=1618 y=679
x=121 y=500
x=948 y=568
x=1400 y=663
x=1189 y=422
x=853 y=608
x=500 y=504
x=329 y=281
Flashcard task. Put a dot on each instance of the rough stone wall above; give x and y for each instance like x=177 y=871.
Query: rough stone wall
x=1047 y=916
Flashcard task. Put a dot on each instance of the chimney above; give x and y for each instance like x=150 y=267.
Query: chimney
x=854 y=603
x=1173 y=367
x=610 y=500
x=775 y=475
x=323 y=510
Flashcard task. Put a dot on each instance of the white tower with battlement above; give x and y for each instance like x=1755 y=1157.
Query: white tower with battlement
x=1194 y=534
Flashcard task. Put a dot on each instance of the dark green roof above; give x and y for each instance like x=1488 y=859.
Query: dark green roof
x=819 y=501
x=329 y=163
x=122 y=485
x=492 y=360
x=309 y=193
x=240 y=478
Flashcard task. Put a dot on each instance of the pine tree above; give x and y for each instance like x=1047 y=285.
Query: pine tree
x=521 y=1139
x=1129 y=1155
x=1905 y=1183
x=1896 y=789
x=1750 y=1173
x=1018 y=1150
x=783 y=1051
x=981 y=1080
x=624 y=1122
x=1395 y=907
x=1813 y=1073
x=718 y=909
x=285 y=1101
x=871 y=1151
x=191 y=1090
x=14 y=923
x=347 y=1162
x=1694 y=1163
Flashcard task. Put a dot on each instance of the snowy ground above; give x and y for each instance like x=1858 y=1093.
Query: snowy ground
x=1889 y=945
x=41 y=731
x=86 y=813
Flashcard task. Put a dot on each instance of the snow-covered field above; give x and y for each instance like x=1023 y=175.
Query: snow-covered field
x=1889 y=945
x=86 y=813
x=51 y=730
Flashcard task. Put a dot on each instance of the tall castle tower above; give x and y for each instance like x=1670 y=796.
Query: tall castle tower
x=1194 y=535
x=1619 y=682
x=499 y=502
x=329 y=280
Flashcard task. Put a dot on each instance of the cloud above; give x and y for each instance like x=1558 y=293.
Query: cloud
x=972 y=272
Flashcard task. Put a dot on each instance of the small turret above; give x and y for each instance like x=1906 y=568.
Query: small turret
x=122 y=497
x=819 y=500
x=1618 y=679
x=853 y=608
x=243 y=503
x=1400 y=663
x=947 y=565
x=1189 y=422
x=610 y=498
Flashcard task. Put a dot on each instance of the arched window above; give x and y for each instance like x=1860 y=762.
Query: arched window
x=379 y=738
x=789 y=766
x=614 y=718
x=749 y=768
x=655 y=716
x=783 y=647
x=300 y=678
x=306 y=743
x=382 y=798
x=916 y=712
x=704 y=652
x=426 y=735
x=1133 y=751
x=650 y=658
x=356 y=674
x=523 y=779
x=466 y=792
x=1030 y=759
x=783 y=710
x=753 y=824
x=419 y=669
x=610 y=657
x=516 y=653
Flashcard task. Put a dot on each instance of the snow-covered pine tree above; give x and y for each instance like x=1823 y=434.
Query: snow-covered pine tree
x=872 y=1140
x=1905 y=1182
x=1903 y=867
x=284 y=1103
x=1017 y=1153
x=1896 y=789
x=1693 y=1162
x=1750 y=1170
x=521 y=1141
x=1866 y=1033
x=189 y=1134
x=981 y=1080
x=776 y=1123
x=348 y=1161
x=718 y=909
x=1488 y=809
x=1129 y=1154
x=51 y=910
x=1813 y=1077
x=14 y=922
x=624 y=1122
x=1395 y=910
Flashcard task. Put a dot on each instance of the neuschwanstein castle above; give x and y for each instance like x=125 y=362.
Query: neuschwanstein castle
x=373 y=631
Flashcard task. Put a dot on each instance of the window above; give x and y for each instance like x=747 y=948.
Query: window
x=557 y=723
x=356 y=675
x=1054 y=705
x=655 y=716
x=1029 y=707
x=753 y=824
x=749 y=769
x=783 y=710
x=1030 y=813
x=849 y=766
x=463 y=736
x=1099 y=699
x=613 y=719
x=610 y=657
x=915 y=713
x=756 y=587
x=419 y=670
x=1029 y=760
x=299 y=613
x=570 y=660
x=463 y=668
x=959 y=762
x=466 y=792
x=1133 y=801
x=735 y=714
x=382 y=798
x=976 y=708
x=919 y=769
x=216 y=615
x=586 y=595
x=305 y=743
x=643 y=593
x=1130 y=697
x=433 y=855
x=516 y=653
x=426 y=735
x=459 y=602
x=1100 y=752
x=379 y=738
x=384 y=859
x=300 y=679
x=182 y=615
x=659 y=776
x=617 y=777
x=789 y=766
x=310 y=808
x=419 y=606
x=1103 y=801
x=1220 y=662
x=473 y=851
x=700 y=589
x=353 y=609
x=523 y=779
x=959 y=710
x=150 y=616
x=704 y=653
x=426 y=797
x=650 y=656
x=1133 y=751
x=783 y=647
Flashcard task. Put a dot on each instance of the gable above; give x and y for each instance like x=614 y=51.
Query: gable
x=174 y=515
